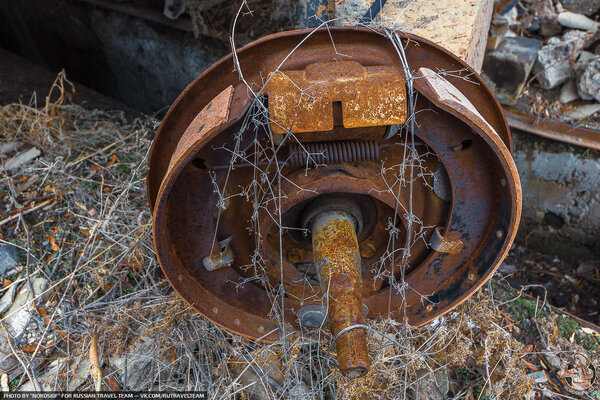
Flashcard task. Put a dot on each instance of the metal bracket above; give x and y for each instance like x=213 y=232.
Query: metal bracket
x=301 y=101
x=443 y=245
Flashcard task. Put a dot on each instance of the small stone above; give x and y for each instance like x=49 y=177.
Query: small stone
x=8 y=297
x=22 y=158
x=20 y=313
x=582 y=112
x=506 y=69
x=586 y=268
x=581 y=39
x=506 y=268
x=548 y=19
x=8 y=257
x=9 y=147
x=552 y=67
x=174 y=8
x=549 y=25
x=568 y=92
x=559 y=7
x=585 y=56
x=498 y=30
x=588 y=78
x=577 y=21
x=300 y=391
x=549 y=355
x=538 y=376
x=587 y=7
x=533 y=25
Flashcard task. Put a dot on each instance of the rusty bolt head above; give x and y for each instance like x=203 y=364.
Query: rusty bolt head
x=367 y=250
x=295 y=255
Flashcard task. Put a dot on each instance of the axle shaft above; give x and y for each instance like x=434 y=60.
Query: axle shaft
x=337 y=257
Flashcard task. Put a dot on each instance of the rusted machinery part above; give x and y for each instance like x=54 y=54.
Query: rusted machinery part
x=468 y=142
x=553 y=129
x=338 y=261
x=360 y=44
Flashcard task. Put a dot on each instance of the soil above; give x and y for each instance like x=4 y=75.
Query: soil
x=571 y=286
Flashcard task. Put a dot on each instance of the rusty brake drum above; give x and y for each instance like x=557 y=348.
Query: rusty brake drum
x=232 y=198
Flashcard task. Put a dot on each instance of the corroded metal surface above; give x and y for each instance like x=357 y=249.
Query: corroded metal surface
x=339 y=263
x=302 y=101
x=194 y=208
x=213 y=115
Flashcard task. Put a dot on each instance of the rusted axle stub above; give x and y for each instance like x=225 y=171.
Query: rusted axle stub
x=338 y=261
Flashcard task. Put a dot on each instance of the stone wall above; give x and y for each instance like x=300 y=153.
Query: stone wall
x=561 y=199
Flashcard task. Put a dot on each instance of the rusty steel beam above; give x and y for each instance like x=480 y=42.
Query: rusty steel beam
x=338 y=260
x=553 y=129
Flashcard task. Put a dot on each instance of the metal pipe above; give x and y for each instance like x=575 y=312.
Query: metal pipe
x=338 y=260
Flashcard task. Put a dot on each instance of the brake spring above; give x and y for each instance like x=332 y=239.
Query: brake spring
x=333 y=152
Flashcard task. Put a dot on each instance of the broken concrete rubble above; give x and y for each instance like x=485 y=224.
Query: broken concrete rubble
x=506 y=69
x=8 y=257
x=548 y=19
x=553 y=66
x=588 y=78
x=568 y=92
x=582 y=112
